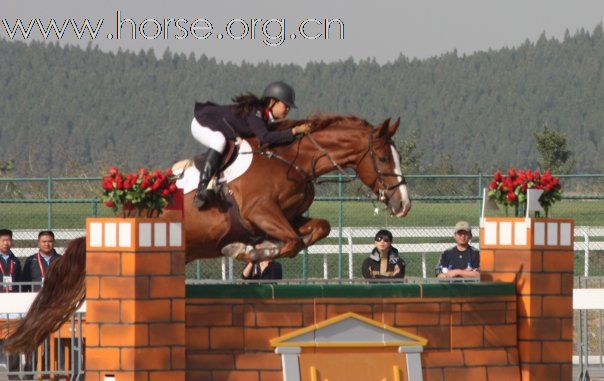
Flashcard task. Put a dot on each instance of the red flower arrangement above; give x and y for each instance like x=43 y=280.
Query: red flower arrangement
x=510 y=190
x=138 y=192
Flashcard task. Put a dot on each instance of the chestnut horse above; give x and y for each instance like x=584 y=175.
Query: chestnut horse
x=272 y=196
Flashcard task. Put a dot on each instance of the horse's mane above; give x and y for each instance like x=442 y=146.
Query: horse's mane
x=320 y=121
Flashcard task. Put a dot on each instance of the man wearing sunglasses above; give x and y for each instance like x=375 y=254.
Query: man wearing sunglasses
x=384 y=262
x=462 y=260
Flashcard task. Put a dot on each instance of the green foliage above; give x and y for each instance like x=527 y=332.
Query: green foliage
x=63 y=106
x=553 y=151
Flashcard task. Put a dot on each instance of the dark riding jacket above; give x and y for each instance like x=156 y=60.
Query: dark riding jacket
x=371 y=265
x=13 y=262
x=223 y=119
x=31 y=269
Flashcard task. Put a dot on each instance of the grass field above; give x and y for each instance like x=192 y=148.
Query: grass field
x=354 y=213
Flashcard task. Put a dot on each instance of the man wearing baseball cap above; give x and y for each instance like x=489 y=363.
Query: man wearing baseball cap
x=462 y=260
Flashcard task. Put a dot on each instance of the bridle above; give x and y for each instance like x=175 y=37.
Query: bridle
x=380 y=176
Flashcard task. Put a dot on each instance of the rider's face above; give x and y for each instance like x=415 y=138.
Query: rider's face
x=279 y=109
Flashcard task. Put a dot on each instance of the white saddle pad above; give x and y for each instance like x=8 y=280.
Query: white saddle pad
x=190 y=179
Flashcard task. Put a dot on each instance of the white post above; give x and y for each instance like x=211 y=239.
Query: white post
x=289 y=362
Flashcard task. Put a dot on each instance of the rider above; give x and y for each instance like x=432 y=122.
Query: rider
x=248 y=116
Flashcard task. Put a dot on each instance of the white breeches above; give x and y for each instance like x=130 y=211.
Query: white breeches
x=208 y=137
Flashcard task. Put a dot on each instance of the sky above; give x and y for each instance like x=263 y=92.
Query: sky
x=294 y=31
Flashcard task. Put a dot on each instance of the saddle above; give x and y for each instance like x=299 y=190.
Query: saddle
x=228 y=157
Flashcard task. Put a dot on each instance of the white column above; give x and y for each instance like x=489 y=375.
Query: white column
x=289 y=362
x=414 y=362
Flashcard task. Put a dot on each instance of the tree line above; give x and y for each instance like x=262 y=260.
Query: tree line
x=66 y=110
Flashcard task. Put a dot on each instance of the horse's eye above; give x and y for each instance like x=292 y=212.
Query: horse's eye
x=383 y=159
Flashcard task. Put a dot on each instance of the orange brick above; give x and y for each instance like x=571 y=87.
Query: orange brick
x=92 y=287
x=145 y=358
x=178 y=310
x=433 y=359
x=479 y=306
x=500 y=335
x=102 y=311
x=244 y=315
x=315 y=313
x=567 y=329
x=102 y=263
x=198 y=338
x=128 y=264
x=540 y=372
x=173 y=375
x=558 y=306
x=268 y=375
x=514 y=260
x=152 y=264
x=258 y=361
x=92 y=376
x=102 y=359
x=167 y=334
x=226 y=338
x=210 y=361
x=457 y=374
x=539 y=329
x=504 y=373
x=91 y=334
x=124 y=335
x=179 y=358
x=198 y=375
x=130 y=376
x=384 y=313
x=529 y=305
x=163 y=376
x=208 y=315
x=483 y=317
x=417 y=314
x=474 y=357
x=529 y=351
x=432 y=374
x=513 y=358
x=280 y=315
x=167 y=287
x=334 y=310
x=558 y=261
x=145 y=311
x=566 y=372
x=438 y=337
x=259 y=338
x=508 y=277
x=540 y=284
x=117 y=288
x=236 y=375
x=567 y=285
x=467 y=336
x=177 y=263
x=557 y=351
x=486 y=260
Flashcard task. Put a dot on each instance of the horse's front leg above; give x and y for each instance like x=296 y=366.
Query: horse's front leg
x=311 y=229
x=272 y=221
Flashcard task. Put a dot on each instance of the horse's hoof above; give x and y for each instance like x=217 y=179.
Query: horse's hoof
x=234 y=250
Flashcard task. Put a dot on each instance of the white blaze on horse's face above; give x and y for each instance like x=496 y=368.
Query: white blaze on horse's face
x=403 y=187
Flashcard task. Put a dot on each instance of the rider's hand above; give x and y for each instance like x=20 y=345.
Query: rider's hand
x=302 y=129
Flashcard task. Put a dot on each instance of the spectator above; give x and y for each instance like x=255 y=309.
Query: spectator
x=384 y=261
x=36 y=265
x=462 y=260
x=10 y=267
x=265 y=269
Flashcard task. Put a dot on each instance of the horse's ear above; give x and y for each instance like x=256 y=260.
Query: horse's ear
x=381 y=130
x=392 y=129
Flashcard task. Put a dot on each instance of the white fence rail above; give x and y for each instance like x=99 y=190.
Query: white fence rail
x=592 y=239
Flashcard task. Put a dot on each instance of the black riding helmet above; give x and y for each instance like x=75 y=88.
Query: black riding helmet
x=280 y=91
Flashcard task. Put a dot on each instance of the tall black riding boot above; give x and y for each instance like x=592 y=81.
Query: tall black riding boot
x=210 y=165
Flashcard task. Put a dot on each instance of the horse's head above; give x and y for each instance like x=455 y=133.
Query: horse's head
x=379 y=168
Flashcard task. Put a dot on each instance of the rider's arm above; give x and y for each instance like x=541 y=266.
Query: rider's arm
x=247 y=270
x=267 y=136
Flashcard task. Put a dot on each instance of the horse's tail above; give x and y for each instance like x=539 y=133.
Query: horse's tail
x=62 y=294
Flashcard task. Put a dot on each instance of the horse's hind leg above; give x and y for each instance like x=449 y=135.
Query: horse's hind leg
x=312 y=229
